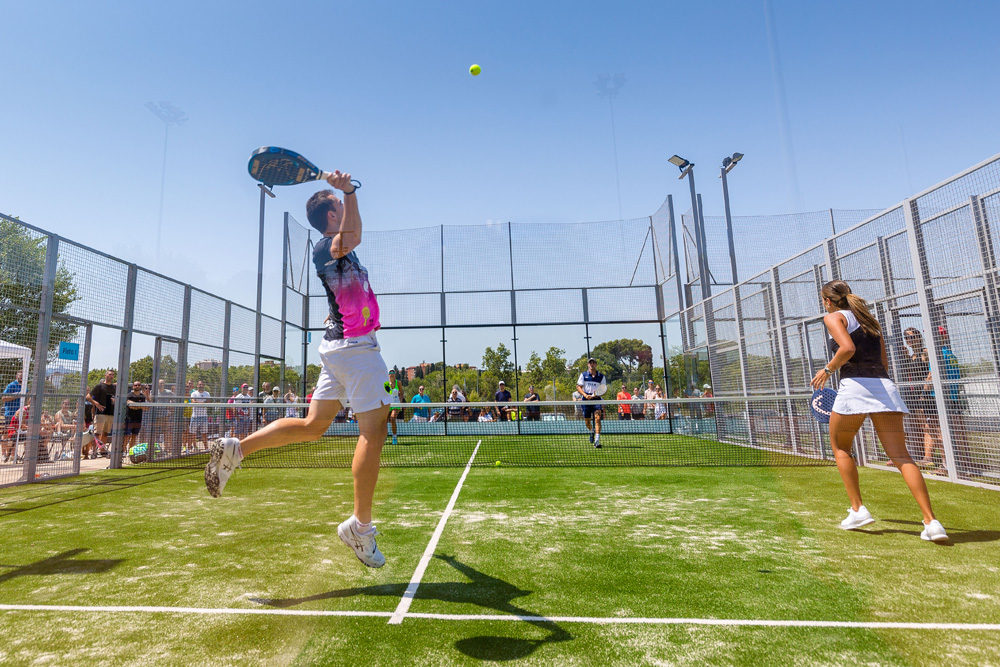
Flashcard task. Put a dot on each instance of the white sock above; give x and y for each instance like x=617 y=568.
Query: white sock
x=362 y=528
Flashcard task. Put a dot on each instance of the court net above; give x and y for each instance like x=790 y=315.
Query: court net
x=760 y=431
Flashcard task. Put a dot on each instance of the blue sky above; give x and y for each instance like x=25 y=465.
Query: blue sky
x=883 y=99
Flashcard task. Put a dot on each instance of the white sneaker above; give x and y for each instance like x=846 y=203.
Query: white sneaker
x=226 y=456
x=934 y=532
x=364 y=545
x=857 y=519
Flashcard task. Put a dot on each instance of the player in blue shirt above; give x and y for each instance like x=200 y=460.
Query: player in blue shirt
x=592 y=385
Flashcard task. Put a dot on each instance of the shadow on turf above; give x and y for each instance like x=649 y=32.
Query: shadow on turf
x=481 y=589
x=955 y=535
x=69 y=489
x=63 y=563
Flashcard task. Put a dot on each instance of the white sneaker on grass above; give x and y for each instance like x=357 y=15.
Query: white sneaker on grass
x=934 y=532
x=363 y=544
x=857 y=519
x=597 y=441
x=225 y=457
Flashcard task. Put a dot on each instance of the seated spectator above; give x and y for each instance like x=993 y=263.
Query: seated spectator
x=485 y=415
x=65 y=419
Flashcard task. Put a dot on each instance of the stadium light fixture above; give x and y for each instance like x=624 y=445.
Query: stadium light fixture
x=729 y=163
x=684 y=165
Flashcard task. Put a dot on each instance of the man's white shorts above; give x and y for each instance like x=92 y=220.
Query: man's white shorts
x=353 y=370
x=198 y=425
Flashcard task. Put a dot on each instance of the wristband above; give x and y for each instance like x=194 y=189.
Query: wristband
x=827 y=370
x=351 y=192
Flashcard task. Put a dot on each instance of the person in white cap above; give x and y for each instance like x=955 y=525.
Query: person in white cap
x=502 y=395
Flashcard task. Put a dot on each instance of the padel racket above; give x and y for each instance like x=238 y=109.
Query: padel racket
x=272 y=165
x=822 y=404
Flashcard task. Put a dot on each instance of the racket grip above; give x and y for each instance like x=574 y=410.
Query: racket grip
x=323 y=175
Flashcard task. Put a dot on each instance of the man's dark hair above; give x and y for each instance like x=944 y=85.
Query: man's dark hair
x=317 y=207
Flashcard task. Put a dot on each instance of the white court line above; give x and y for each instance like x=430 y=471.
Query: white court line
x=418 y=574
x=591 y=620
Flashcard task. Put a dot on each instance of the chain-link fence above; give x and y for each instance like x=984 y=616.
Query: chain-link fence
x=928 y=268
x=163 y=340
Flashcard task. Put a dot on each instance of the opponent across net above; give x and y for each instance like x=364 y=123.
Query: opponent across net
x=755 y=431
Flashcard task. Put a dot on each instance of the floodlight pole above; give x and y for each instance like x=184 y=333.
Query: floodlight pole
x=706 y=289
x=729 y=221
x=170 y=115
x=264 y=193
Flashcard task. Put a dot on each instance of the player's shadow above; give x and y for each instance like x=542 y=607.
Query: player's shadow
x=955 y=535
x=63 y=563
x=81 y=487
x=480 y=589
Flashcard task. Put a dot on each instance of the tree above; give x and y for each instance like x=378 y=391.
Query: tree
x=497 y=363
x=22 y=272
x=629 y=354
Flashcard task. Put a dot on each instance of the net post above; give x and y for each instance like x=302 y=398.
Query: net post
x=928 y=313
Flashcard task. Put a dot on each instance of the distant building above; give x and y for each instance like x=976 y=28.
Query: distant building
x=411 y=371
x=208 y=364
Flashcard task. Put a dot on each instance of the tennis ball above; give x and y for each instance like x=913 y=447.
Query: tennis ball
x=475 y=70
x=497 y=464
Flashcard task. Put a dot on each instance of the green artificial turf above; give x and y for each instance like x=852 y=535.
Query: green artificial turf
x=722 y=543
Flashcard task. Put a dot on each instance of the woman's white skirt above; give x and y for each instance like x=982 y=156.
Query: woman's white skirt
x=862 y=396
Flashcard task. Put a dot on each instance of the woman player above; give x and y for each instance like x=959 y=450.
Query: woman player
x=866 y=391
x=396 y=394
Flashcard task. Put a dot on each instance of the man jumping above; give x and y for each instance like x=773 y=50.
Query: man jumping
x=352 y=369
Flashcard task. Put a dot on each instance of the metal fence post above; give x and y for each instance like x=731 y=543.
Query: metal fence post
x=41 y=357
x=284 y=297
x=124 y=369
x=81 y=401
x=922 y=277
x=225 y=347
x=779 y=332
x=991 y=282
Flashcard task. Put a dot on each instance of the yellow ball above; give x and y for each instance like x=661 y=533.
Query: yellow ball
x=498 y=464
x=475 y=70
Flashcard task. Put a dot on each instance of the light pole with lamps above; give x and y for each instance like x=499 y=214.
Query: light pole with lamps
x=687 y=169
x=170 y=115
x=728 y=163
